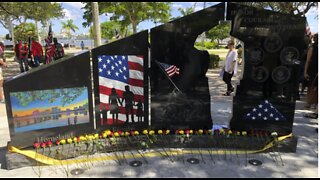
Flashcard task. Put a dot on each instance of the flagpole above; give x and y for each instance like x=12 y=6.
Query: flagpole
x=167 y=76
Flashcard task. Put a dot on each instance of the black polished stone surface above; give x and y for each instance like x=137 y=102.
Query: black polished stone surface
x=273 y=47
x=173 y=43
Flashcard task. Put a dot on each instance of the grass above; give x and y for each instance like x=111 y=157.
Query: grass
x=9 y=54
x=220 y=52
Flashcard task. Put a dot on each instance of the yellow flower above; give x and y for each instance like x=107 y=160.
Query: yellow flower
x=221 y=131
x=151 y=132
x=160 y=131
x=136 y=133
x=200 y=131
x=244 y=133
x=90 y=137
x=229 y=132
x=96 y=136
x=145 y=132
x=82 y=138
x=181 y=132
x=167 y=131
x=104 y=135
x=238 y=133
x=108 y=132
x=69 y=140
x=75 y=139
x=127 y=133
x=116 y=134
x=191 y=131
x=63 y=141
x=210 y=131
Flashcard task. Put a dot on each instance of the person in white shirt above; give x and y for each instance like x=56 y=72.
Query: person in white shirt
x=230 y=67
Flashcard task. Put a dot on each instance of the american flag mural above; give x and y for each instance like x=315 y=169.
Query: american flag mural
x=117 y=71
x=171 y=70
x=264 y=112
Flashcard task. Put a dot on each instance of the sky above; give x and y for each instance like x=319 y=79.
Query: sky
x=73 y=11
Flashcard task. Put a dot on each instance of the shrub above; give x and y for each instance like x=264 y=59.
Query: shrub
x=207 y=45
x=214 y=61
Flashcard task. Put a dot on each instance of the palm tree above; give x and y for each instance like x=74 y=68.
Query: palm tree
x=69 y=26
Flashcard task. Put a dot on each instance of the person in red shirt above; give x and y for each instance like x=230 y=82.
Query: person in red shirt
x=36 y=51
x=23 y=56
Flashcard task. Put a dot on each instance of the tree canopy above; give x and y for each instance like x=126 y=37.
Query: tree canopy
x=219 y=32
x=294 y=8
x=130 y=13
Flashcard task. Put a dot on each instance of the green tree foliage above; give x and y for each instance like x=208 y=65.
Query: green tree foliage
x=39 y=11
x=219 y=32
x=69 y=26
x=187 y=11
x=67 y=96
x=130 y=13
x=294 y=8
x=25 y=30
x=108 y=30
x=22 y=11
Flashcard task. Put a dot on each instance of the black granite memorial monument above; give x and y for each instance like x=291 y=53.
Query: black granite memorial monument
x=179 y=87
x=273 y=44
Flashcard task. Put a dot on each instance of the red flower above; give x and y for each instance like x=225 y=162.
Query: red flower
x=49 y=143
x=187 y=131
x=58 y=142
x=43 y=145
x=132 y=132
x=120 y=132
x=36 y=145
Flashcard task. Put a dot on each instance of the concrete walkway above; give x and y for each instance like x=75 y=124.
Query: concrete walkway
x=303 y=163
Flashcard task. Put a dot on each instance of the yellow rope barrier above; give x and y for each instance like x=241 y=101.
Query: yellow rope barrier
x=51 y=161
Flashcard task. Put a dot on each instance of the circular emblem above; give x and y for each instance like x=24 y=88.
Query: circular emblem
x=260 y=74
x=281 y=74
x=254 y=55
x=273 y=43
x=289 y=55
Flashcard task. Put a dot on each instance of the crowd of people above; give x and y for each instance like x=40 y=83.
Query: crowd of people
x=32 y=54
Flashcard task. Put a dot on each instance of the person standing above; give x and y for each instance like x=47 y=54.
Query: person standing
x=37 y=52
x=2 y=64
x=23 y=56
x=113 y=104
x=58 y=50
x=82 y=45
x=128 y=96
x=139 y=110
x=311 y=72
x=230 y=67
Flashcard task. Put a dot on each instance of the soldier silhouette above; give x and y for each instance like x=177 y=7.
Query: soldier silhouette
x=75 y=120
x=113 y=104
x=128 y=97
x=104 y=112
x=139 y=110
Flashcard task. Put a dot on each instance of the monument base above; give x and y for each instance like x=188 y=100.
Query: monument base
x=207 y=142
